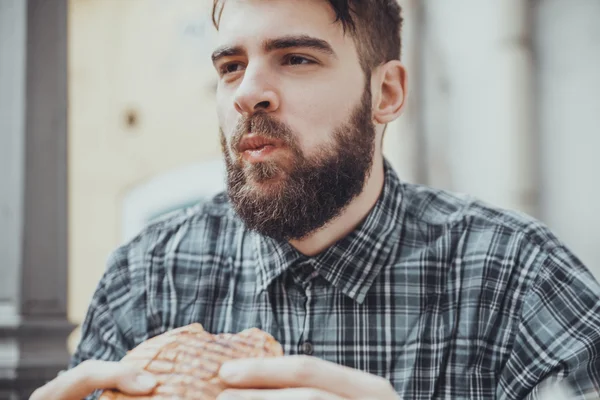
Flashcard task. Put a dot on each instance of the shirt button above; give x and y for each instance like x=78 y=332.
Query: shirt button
x=307 y=348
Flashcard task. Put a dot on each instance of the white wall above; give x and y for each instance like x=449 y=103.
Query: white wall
x=476 y=100
x=510 y=108
x=567 y=42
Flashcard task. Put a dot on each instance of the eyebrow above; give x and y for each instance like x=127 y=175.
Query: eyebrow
x=281 y=43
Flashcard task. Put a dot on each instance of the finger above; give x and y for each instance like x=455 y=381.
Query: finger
x=278 y=394
x=90 y=375
x=302 y=371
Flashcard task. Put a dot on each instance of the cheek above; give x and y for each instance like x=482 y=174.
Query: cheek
x=227 y=117
x=319 y=114
x=313 y=130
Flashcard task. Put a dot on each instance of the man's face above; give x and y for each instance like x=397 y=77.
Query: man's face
x=294 y=108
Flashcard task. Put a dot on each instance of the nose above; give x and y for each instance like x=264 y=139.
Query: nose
x=255 y=94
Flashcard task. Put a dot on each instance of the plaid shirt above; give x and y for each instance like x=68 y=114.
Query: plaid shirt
x=442 y=295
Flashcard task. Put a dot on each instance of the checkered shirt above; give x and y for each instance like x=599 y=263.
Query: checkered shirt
x=441 y=294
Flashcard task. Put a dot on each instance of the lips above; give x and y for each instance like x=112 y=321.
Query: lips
x=255 y=149
x=252 y=143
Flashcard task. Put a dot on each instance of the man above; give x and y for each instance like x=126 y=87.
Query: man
x=375 y=288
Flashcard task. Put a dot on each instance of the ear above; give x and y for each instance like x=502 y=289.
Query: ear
x=390 y=88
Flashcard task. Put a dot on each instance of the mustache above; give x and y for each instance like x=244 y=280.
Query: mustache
x=263 y=125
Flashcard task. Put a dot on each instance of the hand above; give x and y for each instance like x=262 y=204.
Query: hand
x=90 y=375
x=300 y=377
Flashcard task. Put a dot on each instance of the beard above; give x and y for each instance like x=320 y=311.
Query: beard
x=292 y=197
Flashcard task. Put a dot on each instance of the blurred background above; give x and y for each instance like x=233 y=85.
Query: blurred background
x=107 y=121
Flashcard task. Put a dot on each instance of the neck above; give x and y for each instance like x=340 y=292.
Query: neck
x=349 y=219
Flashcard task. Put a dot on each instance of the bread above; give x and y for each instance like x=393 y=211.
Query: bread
x=186 y=361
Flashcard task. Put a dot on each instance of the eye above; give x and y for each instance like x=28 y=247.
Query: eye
x=230 y=68
x=298 y=60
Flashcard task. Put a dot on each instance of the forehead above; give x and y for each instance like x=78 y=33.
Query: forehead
x=249 y=22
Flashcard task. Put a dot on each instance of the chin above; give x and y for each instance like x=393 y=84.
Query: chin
x=265 y=172
x=267 y=185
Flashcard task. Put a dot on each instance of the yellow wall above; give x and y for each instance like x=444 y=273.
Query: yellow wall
x=140 y=103
x=136 y=59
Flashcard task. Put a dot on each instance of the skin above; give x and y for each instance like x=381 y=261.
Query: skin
x=304 y=87
x=313 y=91
x=300 y=377
x=90 y=375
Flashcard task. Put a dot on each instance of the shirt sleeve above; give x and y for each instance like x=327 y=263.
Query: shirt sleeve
x=101 y=336
x=558 y=340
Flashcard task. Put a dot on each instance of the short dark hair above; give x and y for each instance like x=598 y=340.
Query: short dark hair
x=376 y=26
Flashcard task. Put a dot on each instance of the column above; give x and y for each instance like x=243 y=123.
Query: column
x=33 y=194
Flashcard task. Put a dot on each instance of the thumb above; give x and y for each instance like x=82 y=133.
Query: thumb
x=91 y=375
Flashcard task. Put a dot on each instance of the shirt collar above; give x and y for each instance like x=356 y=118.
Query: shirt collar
x=351 y=264
x=273 y=259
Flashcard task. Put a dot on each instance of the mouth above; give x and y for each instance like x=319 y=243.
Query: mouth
x=256 y=148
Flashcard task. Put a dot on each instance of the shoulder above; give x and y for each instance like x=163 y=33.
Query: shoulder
x=193 y=230
x=159 y=268
x=439 y=210
x=505 y=248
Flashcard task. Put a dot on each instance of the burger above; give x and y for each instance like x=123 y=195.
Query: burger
x=186 y=361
